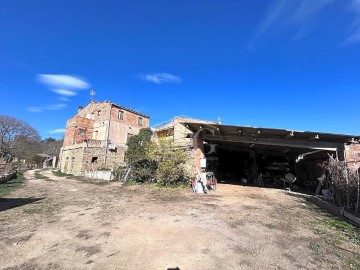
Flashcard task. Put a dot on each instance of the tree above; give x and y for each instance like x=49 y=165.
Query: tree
x=142 y=168
x=136 y=146
x=17 y=137
x=170 y=160
x=51 y=146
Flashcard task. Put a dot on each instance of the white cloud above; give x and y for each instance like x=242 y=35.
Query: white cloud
x=62 y=81
x=57 y=131
x=53 y=107
x=64 y=92
x=160 y=78
x=295 y=15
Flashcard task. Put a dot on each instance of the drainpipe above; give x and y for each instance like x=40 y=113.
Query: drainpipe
x=107 y=135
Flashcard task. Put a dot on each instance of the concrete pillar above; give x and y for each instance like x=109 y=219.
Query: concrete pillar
x=340 y=153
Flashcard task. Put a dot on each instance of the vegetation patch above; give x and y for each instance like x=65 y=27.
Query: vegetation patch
x=354 y=262
x=38 y=175
x=336 y=236
x=16 y=182
x=60 y=174
x=348 y=230
x=97 y=183
x=314 y=246
x=43 y=208
x=271 y=226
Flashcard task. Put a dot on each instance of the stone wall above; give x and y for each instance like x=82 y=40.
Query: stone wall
x=78 y=160
x=71 y=161
x=89 y=133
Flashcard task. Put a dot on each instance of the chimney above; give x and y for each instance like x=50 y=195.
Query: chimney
x=80 y=108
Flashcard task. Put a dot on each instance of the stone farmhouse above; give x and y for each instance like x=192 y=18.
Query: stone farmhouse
x=95 y=138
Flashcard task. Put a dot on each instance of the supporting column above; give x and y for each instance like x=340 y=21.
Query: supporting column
x=198 y=146
x=340 y=153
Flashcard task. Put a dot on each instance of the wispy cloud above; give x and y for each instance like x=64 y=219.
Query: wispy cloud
x=62 y=81
x=160 y=78
x=53 y=107
x=62 y=98
x=354 y=35
x=57 y=131
x=295 y=15
x=64 y=92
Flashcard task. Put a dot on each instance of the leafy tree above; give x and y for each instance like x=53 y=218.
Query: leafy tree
x=142 y=168
x=170 y=160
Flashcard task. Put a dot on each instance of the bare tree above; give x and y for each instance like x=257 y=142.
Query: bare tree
x=51 y=146
x=16 y=136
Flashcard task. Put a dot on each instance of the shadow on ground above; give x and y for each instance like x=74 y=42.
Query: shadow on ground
x=8 y=203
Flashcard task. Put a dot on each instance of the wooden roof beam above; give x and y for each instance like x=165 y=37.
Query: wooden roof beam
x=330 y=146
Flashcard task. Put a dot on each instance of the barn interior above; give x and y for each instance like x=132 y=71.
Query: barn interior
x=267 y=157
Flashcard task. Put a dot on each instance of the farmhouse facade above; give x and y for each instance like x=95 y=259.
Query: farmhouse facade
x=95 y=138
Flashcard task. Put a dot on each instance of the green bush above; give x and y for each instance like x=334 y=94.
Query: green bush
x=142 y=168
x=170 y=160
x=161 y=162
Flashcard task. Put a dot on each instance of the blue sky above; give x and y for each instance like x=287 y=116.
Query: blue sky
x=277 y=63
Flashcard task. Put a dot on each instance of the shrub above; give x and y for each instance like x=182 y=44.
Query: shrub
x=170 y=161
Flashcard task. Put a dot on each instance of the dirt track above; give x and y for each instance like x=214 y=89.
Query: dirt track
x=63 y=223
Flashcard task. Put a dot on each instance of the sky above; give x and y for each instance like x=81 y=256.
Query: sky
x=267 y=63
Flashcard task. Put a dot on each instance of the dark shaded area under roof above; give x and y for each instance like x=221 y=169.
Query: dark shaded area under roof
x=278 y=141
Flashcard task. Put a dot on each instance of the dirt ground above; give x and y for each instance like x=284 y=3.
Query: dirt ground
x=62 y=223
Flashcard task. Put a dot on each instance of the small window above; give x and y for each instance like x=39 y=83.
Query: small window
x=99 y=113
x=121 y=115
x=94 y=159
x=82 y=132
x=129 y=135
x=140 y=121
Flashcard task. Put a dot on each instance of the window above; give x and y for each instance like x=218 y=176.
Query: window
x=82 y=132
x=94 y=159
x=121 y=115
x=140 y=121
x=99 y=113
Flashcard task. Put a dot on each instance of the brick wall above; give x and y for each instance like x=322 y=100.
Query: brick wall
x=120 y=128
x=73 y=127
x=352 y=153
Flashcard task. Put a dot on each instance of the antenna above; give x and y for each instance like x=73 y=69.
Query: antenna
x=92 y=94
